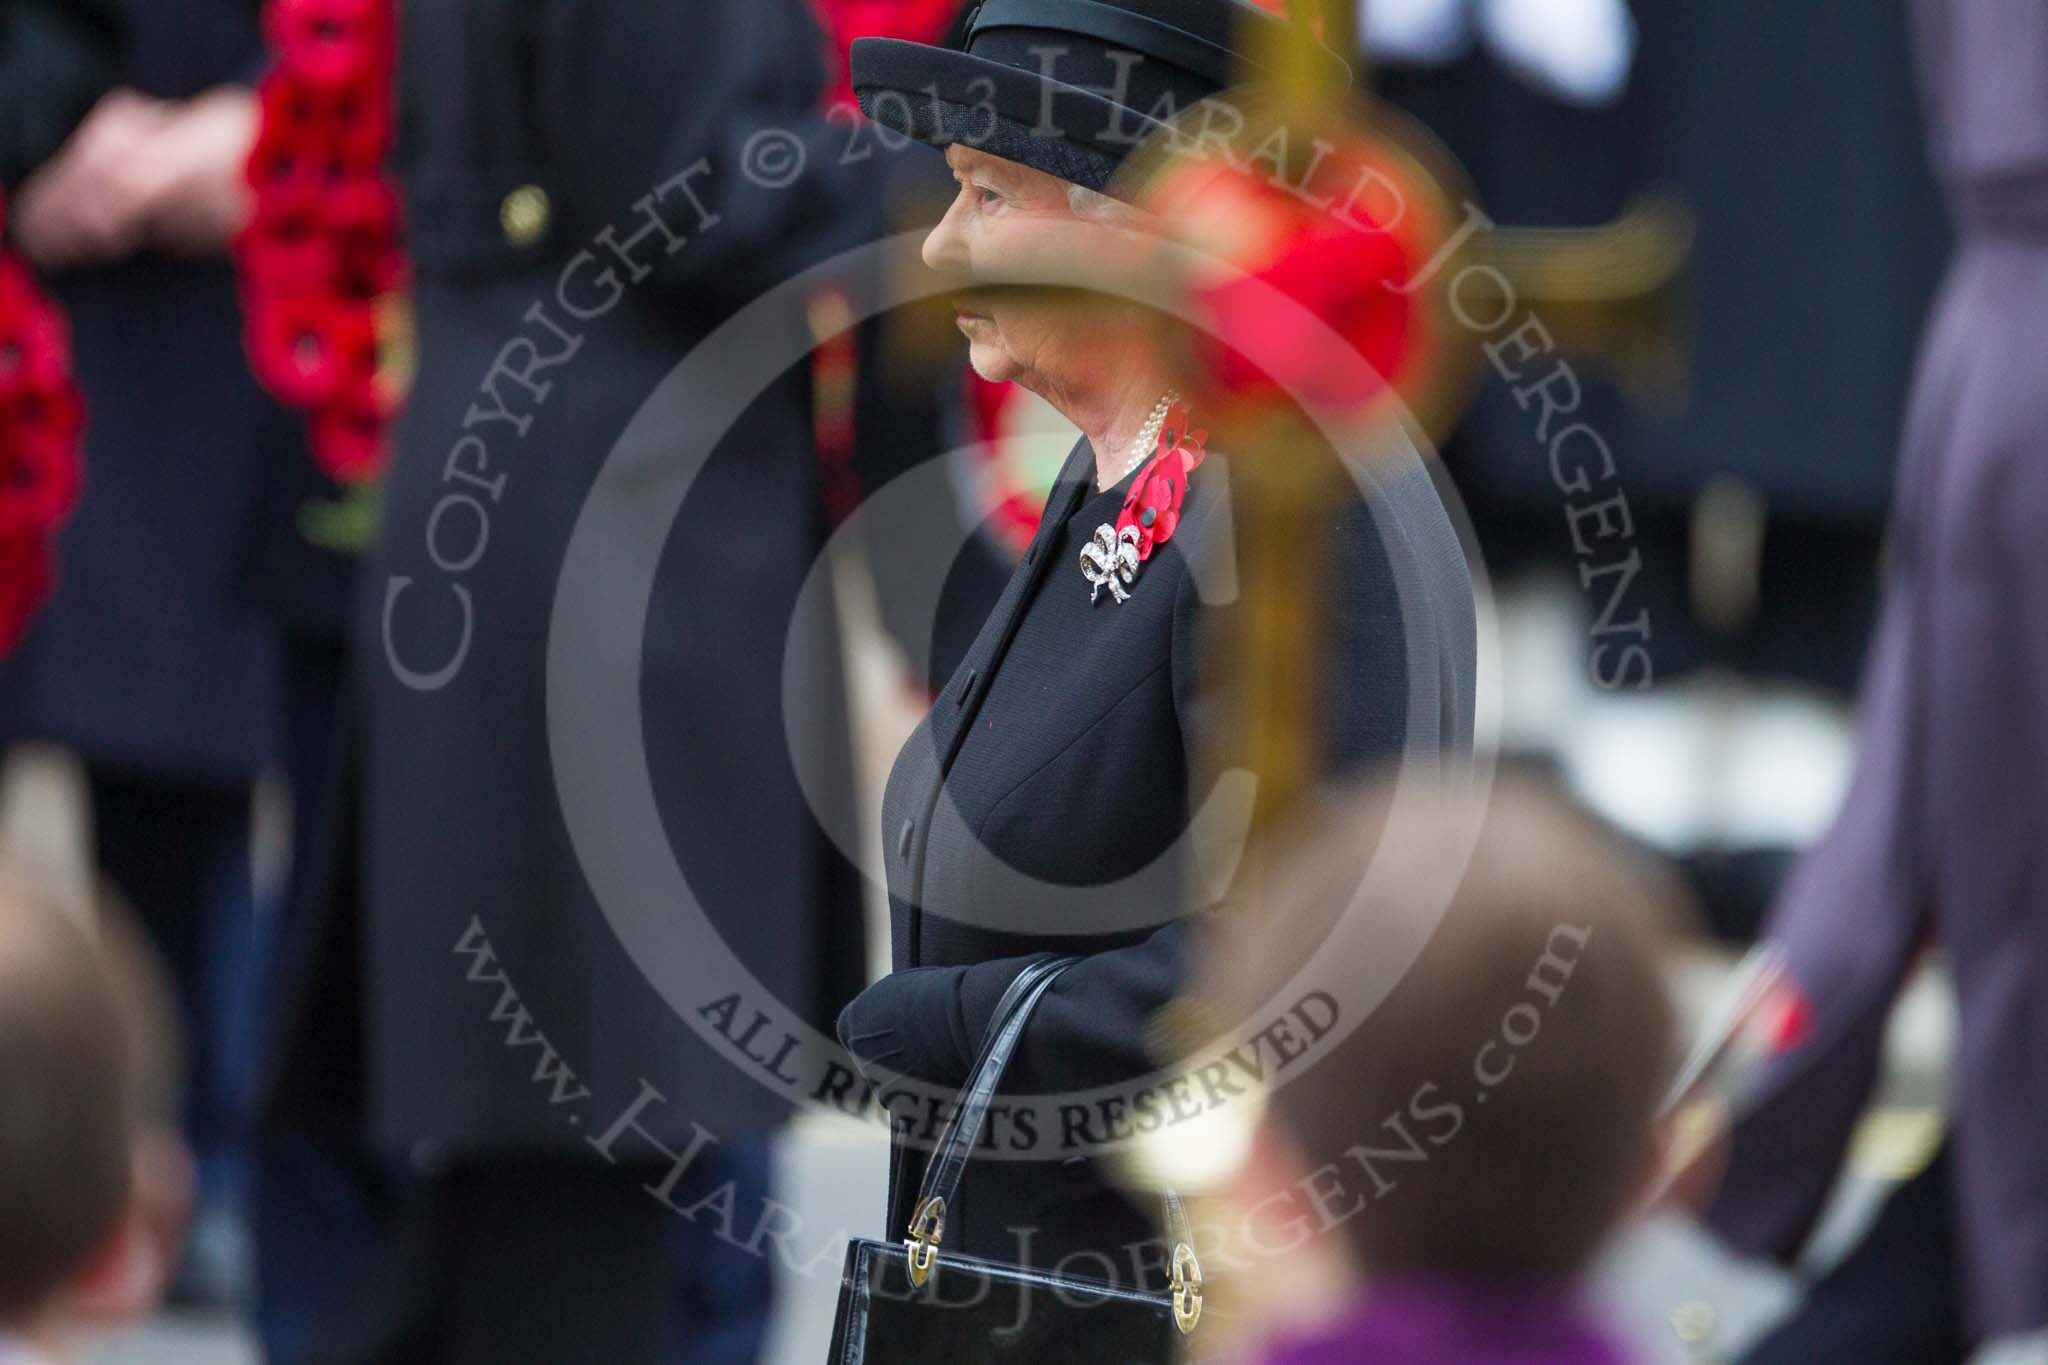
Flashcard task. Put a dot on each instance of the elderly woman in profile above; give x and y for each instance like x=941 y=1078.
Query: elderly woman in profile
x=1041 y=806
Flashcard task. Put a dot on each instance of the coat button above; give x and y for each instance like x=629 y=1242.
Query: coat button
x=524 y=215
x=903 y=838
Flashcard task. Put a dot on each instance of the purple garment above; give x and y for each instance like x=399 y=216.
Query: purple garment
x=1944 y=834
x=1416 y=1322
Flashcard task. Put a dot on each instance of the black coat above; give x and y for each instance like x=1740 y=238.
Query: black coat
x=57 y=57
x=456 y=818
x=1058 y=766
x=145 y=657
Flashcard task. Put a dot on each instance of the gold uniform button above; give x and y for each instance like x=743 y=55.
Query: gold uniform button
x=524 y=215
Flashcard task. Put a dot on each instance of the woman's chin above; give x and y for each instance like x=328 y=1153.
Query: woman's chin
x=991 y=362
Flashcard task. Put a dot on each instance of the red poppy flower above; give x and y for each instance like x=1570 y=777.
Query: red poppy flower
x=287 y=155
x=329 y=42
x=364 y=206
x=289 y=110
x=286 y=245
x=40 y=418
x=40 y=411
x=34 y=346
x=1262 y=341
x=348 y=442
x=54 y=414
x=1290 y=274
x=367 y=269
x=361 y=359
x=1152 y=507
x=1016 y=519
x=917 y=21
x=38 y=460
x=362 y=124
x=363 y=227
x=323 y=247
x=324 y=132
x=17 y=290
x=303 y=347
x=24 y=580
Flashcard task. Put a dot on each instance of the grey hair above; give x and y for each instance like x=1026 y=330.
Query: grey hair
x=1098 y=207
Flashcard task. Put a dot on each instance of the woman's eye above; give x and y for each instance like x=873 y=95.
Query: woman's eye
x=987 y=197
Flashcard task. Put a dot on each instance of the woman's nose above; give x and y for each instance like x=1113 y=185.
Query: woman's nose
x=945 y=249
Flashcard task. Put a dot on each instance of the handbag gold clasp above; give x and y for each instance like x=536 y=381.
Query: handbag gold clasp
x=927 y=1226
x=1187 y=1288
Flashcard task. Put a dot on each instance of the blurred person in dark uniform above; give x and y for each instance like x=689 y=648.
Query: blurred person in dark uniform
x=142 y=662
x=1753 y=417
x=60 y=56
x=579 y=215
x=1945 y=827
x=314 y=1194
x=1818 y=246
x=265 y=569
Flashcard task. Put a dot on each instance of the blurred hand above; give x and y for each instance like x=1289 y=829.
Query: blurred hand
x=141 y=172
x=1691 y=1158
x=89 y=203
x=194 y=196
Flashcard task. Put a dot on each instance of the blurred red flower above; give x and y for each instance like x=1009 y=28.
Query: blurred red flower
x=38 y=459
x=1290 y=276
x=349 y=442
x=330 y=42
x=302 y=346
x=286 y=246
x=917 y=21
x=24 y=581
x=323 y=245
x=41 y=418
x=34 y=345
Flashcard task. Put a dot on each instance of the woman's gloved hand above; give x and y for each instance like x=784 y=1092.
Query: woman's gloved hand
x=928 y=1022
x=910 y=1023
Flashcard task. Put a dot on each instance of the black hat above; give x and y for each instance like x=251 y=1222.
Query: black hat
x=1070 y=87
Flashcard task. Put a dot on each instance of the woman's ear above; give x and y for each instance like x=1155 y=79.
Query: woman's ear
x=125 y=1280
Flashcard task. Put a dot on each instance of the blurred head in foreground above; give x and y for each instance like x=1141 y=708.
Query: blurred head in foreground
x=94 y=1183
x=1491 y=1120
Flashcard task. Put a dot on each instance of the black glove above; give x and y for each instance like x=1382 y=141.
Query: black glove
x=927 y=1022
x=910 y=1023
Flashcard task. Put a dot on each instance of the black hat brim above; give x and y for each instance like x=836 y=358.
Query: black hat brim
x=941 y=96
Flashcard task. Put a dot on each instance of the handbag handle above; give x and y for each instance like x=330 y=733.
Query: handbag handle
x=941 y=1183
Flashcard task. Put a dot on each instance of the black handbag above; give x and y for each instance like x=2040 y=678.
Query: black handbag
x=902 y=1303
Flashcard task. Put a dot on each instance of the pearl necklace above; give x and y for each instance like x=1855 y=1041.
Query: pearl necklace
x=1147 y=441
